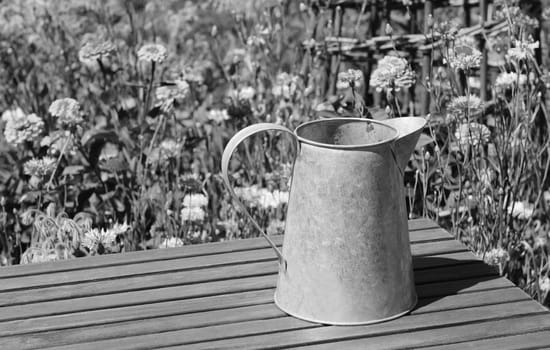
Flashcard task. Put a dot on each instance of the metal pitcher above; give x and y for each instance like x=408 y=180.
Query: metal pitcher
x=346 y=256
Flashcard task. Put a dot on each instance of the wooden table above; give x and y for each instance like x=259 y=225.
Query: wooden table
x=217 y=296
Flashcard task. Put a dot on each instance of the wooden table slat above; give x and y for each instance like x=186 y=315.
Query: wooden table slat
x=425 y=229
x=50 y=305
x=224 y=301
x=220 y=295
x=532 y=340
x=442 y=335
x=379 y=336
x=181 y=265
x=509 y=296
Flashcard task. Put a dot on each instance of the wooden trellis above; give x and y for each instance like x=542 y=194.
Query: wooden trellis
x=417 y=45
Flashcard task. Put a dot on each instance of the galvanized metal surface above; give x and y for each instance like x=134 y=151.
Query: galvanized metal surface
x=346 y=251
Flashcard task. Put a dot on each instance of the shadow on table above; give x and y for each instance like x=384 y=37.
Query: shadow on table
x=436 y=277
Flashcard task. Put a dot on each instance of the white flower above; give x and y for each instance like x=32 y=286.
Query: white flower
x=392 y=73
x=67 y=111
x=195 y=200
x=172 y=242
x=544 y=284
x=464 y=57
x=152 y=52
x=285 y=85
x=21 y=128
x=521 y=210
x=94 y=237
x=246 y=93
x=192 y=214
x=349 y=78
x=507 y=80
x=262 y=197
x=496 y=256
x=39 y=167
x=463 y=106
x=522 y=50
x=218 y=115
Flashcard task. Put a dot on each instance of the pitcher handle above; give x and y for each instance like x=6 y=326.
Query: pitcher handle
x=228 y=152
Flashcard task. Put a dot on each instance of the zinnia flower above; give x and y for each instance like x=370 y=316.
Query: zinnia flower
x=392 y=73
x=39 y=167
x=349 y=78
x=20 y=127
x=218 y=115
x=166 y=95
x=192 y=214
x=522 y=50
x=67 y=111
x=195 y=200
x=93 y=51
x=496 y=256
x=472 y=134
x=285 y=85
x=464 y=57
x=509 y=80
x=153 y=53
x=94 y=237
x=171 y=242
x=246 y=93
x=463 y=106
x=521 y=210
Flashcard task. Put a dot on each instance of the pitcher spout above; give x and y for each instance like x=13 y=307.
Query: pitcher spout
x=409 y=130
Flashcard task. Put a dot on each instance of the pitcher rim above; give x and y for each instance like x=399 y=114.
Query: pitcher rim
x=358 y=146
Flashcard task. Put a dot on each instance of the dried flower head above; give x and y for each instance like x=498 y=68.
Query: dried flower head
x=93 y=51
x=392 y=73
x=39 y=167
x=67 y=111
x=462 y=107
x=20 y=127
x=510 y=80
x=472 y=134
x=218 y=115
x=192 y=214
x=464 y=57
x=522 y=50
x=195 y=200
x=350 y=78
x=153 y=53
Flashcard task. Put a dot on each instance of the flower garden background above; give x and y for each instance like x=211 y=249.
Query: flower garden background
x=115 y=114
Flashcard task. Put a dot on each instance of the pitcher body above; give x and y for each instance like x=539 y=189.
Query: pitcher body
x=346 y=253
